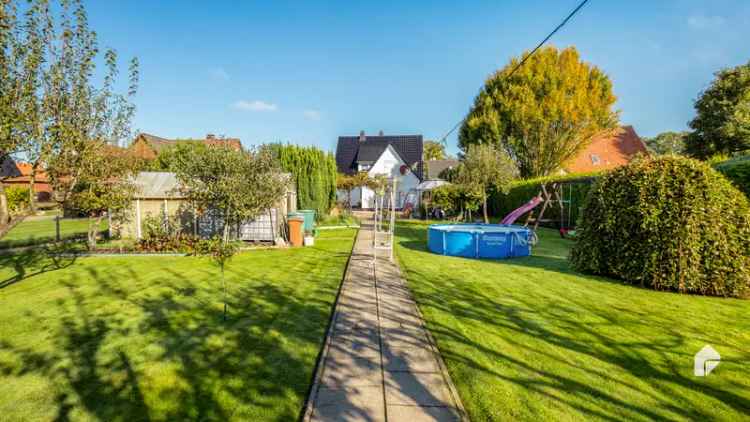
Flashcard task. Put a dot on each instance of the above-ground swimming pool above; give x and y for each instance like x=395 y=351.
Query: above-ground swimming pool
x=492 y=241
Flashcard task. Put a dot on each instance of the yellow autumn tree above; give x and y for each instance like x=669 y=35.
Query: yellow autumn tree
x=544 y=113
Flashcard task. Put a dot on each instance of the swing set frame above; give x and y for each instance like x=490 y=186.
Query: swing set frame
x=553 y=194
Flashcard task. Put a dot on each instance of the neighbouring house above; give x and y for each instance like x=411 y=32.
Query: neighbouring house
x=395 y=156
x=608 y=151
x=18 y=173
x=147 y=146
x=434 y=169
x=158 y=195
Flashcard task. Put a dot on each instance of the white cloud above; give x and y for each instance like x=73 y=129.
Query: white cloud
x=312 y=114
x=705 y=22
x=255 y=105
x=219 y=74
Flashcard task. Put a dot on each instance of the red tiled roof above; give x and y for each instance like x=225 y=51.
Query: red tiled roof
x=608 y=151
x=19 y=171
x=157 y=143
x=233 y=143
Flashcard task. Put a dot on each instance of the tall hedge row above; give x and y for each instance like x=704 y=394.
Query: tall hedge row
x=738 y=171
x=314 y=172
x=523 y=190
x=668 y=223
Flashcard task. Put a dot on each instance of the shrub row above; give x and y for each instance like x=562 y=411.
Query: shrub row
x=668 y=223
x=314 y=172
x=523 y=190
x=738 y=171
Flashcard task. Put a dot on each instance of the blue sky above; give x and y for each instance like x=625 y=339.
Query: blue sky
x=306 y=72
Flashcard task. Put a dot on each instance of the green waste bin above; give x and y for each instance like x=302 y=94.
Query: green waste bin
x=309 y=219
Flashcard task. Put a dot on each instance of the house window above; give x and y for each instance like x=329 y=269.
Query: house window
x=365 y=167
x=595 y=159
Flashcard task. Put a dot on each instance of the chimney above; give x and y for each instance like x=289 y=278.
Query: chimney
x=362 y=137
x=380 y=133
x=210 y=136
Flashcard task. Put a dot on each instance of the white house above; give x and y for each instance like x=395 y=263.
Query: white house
x=398 y=157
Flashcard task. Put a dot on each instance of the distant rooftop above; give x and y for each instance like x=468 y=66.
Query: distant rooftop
x=352 y=150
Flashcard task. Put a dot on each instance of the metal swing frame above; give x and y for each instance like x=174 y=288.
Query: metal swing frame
x=384 y=220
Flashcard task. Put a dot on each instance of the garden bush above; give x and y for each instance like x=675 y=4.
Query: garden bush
x=18 y=198
x=522 y=191
x=165 y=235
x=457 y=201
x=738 y=171
x=668 y=223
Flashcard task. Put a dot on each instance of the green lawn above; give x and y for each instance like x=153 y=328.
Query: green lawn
x=142 y=338
x=530 y=339
x=35 y=230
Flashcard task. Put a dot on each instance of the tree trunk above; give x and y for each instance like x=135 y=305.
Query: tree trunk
x=94 y=223
x=273 y=226
x=224 y=289
x=484 y=209
x=32 y=195
x=4 y=211
x=225 y=235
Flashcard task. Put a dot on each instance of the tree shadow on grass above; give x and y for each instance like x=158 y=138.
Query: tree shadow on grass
x=35 y=261
x=557 y=341
x=526 y=327
x=158 y=350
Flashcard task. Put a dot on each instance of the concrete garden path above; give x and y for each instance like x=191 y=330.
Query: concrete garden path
x=379 y=363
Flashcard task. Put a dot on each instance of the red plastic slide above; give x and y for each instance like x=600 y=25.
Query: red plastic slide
x=523 y=209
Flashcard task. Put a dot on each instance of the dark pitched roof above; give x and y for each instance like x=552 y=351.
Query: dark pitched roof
x=435 y=167
x=350 y=151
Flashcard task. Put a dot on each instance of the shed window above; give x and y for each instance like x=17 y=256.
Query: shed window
x=595 y=159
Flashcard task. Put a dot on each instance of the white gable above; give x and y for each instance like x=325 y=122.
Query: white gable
x=389 y=163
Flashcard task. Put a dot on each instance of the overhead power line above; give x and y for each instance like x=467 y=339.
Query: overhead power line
x=516 y=67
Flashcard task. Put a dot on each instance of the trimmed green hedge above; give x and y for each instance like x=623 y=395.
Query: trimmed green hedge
x=668 y=223
x=18 y=198
x=523 y=190
x=738 y=171
x=314 y=172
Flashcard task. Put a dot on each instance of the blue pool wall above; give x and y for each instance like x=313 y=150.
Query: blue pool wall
x=488 y=241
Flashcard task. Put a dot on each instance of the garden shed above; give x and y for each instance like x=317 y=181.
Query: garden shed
x=158 y=195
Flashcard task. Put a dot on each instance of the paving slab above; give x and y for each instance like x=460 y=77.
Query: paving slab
x=379 y=362
x=416 y=389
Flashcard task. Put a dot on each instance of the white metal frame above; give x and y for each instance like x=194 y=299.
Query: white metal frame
x=385 y=211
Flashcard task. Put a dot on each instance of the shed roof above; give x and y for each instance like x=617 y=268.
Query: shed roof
x=435 y=167
x=157 y=185
x=165 y=185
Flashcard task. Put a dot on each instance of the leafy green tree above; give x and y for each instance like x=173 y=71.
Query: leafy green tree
x=345 y=183
x=22 y=51
x=433 y=150
x=169 y=158
x=667 y=143
x=486 y=167
x=722 y=121
x=80 y=122
x=104 y=184
x=237 y=185
x=545 y=113
x=9 y=119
